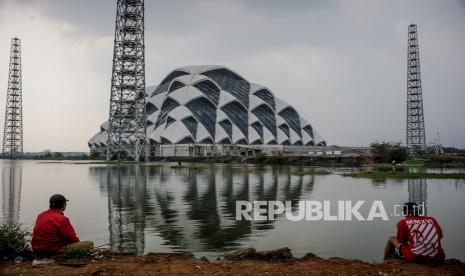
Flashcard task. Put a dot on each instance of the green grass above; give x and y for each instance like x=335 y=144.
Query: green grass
x=74 y=253
x=407 y=175
x=415 y=162
x=311 y=172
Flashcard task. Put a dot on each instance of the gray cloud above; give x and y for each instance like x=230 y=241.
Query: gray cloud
x=341 y=63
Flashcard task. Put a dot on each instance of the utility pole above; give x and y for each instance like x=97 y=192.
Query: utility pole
x=415 y=117
x=13 y=129
x=127 y=119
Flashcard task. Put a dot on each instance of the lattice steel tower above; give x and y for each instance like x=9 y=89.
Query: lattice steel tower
x=415 y=118
x=127 y=122
x=13 y=130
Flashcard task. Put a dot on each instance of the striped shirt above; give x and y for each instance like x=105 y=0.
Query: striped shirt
x=420 y=237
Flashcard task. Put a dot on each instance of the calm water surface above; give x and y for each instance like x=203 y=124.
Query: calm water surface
x=154 y=208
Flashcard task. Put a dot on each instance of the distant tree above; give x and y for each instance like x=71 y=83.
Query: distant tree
x=94 y=154
x=58 y=155
x=386 y=152
x=453 y=150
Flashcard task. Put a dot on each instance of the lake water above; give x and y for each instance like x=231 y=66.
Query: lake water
x=155 y=208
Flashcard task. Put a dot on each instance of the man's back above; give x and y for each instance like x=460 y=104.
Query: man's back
x=52 y=232
x=420 y=237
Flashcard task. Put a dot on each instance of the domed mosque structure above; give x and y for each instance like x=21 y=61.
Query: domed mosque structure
x=211 y=110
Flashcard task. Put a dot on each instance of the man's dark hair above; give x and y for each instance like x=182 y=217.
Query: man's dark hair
x=57 y=201
x=410 y=208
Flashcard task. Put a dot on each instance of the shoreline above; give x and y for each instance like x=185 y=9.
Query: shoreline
x=246 y=261
x=335 y=162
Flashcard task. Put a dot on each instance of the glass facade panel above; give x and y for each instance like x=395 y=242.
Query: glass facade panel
x=165 y=141
x=258 y=128
x=168 y=105
x=207 y=141
x=186 y=140
x=227 y=126
x=272 y=142
x=225 y=141
x=163 y=87
x=238 y=115
x=285 y=129
x=191 y=124
x=205 y=112
x=169 y=121
x=266 y=96
x=266 y=115
x=209 y=89
x=292 y=119
x=176 y=85
x=309 y=130
x=150 y=108
x=232 y=83
x=257 y=142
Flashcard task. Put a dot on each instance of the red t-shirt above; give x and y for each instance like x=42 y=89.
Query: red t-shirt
x=421 y=238
x=52 y=232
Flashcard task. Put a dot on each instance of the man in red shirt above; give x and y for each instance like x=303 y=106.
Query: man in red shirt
x=53 y=232
x=418 y=237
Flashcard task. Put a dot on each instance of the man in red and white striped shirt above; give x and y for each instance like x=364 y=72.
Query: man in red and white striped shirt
x=418 y=237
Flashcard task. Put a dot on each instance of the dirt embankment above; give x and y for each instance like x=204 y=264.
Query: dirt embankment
x=242 y=262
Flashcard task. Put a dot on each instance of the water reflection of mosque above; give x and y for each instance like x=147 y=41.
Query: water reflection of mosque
x=11 y=191
x=190 y=208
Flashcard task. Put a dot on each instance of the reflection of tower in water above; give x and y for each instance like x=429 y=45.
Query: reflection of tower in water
x=417 y=191
x=11 y=192
x=126 y=208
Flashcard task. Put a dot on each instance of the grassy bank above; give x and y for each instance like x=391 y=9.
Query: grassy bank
x=311 y=172
x=250 y=262
x=406 y=175
x=271 y=160
x=436 y=161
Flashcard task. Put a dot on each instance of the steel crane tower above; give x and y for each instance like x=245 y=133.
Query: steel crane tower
x=127 y=119
x=415 y=117
x=13 y=129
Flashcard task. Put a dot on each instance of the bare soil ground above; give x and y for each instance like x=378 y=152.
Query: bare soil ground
x=186 y=264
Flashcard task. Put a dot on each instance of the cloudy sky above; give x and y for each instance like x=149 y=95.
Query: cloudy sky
x=342 y=64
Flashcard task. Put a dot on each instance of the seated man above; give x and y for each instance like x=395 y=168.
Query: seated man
x=53 y=232
x=418 y=238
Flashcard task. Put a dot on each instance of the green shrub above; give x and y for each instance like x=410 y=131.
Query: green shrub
x=75 y=253
x=387 y=152
x=260 y=158
x=14 y=241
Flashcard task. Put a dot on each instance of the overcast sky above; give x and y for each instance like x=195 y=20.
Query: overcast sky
x=341 y=64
